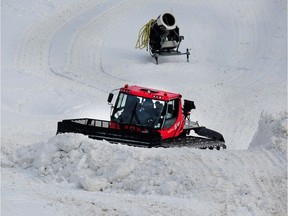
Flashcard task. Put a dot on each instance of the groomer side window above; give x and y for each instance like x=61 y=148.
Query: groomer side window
x=172 y=112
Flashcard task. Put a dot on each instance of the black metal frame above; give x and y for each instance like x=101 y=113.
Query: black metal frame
x=101 y=130
x=170 y=52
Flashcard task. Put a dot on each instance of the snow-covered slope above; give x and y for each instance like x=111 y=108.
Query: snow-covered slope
x=61 y=59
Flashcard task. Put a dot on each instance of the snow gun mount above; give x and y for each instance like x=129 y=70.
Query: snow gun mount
x=147 y=117
x=162 y=37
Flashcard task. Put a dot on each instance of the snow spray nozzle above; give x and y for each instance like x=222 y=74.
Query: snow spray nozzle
x=167 y=20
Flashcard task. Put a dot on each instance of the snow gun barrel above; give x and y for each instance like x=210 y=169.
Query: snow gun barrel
x=166 y=21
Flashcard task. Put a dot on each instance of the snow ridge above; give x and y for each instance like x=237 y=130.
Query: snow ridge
x=272 y=132
x=99 y=166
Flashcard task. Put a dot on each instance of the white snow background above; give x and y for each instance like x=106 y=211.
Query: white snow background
x=60 y=59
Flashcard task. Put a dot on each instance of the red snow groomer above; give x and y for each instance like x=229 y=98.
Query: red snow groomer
x=148 y=118
x=161 y=37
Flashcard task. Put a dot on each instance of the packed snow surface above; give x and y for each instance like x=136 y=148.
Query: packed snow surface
x=60 y=59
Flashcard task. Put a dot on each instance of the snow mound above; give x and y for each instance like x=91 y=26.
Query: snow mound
x=230 y=178
x=100 y=166
x=272 y=132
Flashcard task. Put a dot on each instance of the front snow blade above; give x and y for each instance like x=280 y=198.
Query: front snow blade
x=202 y=131
x=101 y=130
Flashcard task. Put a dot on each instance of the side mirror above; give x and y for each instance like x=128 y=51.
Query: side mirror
x=188 y=106
x=110 y=98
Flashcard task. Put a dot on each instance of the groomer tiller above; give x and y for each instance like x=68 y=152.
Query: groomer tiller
x=163 y=37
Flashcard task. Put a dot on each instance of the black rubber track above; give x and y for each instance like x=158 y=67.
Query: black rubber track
x=193 y=142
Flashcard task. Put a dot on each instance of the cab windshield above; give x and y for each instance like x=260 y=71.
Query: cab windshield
x=136 y=110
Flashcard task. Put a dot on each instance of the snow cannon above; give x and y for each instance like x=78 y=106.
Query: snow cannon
x=161 y=37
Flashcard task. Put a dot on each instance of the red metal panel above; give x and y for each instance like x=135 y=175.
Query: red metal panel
x=150 y=93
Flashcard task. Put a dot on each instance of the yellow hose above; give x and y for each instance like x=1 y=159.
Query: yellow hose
x=143 y=36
